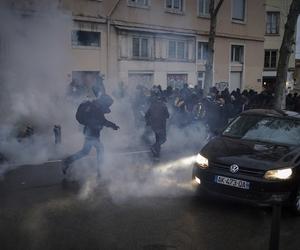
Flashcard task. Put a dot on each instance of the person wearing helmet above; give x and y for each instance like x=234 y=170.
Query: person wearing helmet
x=91 y=115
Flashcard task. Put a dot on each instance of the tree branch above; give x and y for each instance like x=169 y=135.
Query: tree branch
x=218 y=7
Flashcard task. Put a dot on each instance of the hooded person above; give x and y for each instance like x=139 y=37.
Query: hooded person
x=98 y=86
x=91 y=114
x=156 y=117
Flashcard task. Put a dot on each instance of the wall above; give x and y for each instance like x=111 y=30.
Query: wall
x=274 y=41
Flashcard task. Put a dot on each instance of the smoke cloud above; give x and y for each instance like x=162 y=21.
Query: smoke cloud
x=35 y=55
x=33 y=85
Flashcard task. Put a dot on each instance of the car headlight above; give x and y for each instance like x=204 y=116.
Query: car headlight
x=201 y=161
x=279 y=174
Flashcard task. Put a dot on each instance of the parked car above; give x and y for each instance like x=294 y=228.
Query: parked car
x=255 y=159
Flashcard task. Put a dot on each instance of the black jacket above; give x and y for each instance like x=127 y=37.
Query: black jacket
x=96 y=121
x=157 y=115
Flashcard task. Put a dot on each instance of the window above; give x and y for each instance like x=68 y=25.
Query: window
x=177 y=50
x=202 y=51
x=140 y=78
x=200 y=78
x=265 y=129
x=138 y=3
x=176 y=5
x=177 y=80
x=140 y=47
x=238 y=10
x=272 y=23
x=172 y=49
x=270 y=59
x=237 y=53
x=86 y=38
x=84 y=84
x=180 y=50
x=203 y=8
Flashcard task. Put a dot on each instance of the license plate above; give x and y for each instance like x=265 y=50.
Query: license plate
x=232 y=182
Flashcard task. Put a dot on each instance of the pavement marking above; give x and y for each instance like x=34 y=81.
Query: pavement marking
x=133 y=152
x=53 y=161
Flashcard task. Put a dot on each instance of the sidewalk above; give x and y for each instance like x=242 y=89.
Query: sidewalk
x=32 y=176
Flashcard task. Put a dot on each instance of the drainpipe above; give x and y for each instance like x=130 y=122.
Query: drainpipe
x=108 y=21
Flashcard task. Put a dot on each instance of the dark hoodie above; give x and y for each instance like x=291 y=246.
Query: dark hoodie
x=96 y=120
x=157 y=115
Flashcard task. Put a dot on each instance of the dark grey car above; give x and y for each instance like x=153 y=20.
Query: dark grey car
x=256 y=159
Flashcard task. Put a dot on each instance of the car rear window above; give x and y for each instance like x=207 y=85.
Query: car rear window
x=265 y=129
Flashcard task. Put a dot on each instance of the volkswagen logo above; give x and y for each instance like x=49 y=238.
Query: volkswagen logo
x=234 y=168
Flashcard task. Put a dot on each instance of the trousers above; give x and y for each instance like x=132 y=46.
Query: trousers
x=89 y=143
x=160 y=138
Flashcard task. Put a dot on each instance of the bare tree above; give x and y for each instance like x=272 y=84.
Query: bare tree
x=284 y=54
x=213 y=12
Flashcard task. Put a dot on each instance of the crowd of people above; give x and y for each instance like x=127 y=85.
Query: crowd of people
x=189 y=104
x=152 y=107
x=293 y=102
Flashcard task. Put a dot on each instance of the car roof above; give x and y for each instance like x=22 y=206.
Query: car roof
x=273 y=113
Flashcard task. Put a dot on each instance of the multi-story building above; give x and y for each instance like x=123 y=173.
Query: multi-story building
x=165 y=42
x=276 y=15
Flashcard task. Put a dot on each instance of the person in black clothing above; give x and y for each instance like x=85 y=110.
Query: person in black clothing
x=98 y=86
x=91 y=115
x=289 y=101
x=156 y=117
x=185 y=92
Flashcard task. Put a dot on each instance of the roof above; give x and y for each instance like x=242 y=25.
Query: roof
x=273 y=112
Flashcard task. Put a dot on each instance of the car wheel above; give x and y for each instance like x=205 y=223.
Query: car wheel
x=296 y=202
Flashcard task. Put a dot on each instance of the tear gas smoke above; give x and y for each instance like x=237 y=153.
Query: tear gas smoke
x=33 y=85
x=132 y=180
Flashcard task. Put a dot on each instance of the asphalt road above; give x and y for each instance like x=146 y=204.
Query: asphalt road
x=152 y=207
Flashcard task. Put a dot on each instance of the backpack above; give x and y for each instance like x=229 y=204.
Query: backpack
x=83 y=112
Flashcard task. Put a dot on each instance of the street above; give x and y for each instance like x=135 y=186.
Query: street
x=115 y=113
x=134 y=210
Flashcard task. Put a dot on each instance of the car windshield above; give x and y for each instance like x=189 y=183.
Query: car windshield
x=265 y=129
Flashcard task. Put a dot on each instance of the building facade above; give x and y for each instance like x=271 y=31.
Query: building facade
x=276 y=14
x=165 y=42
